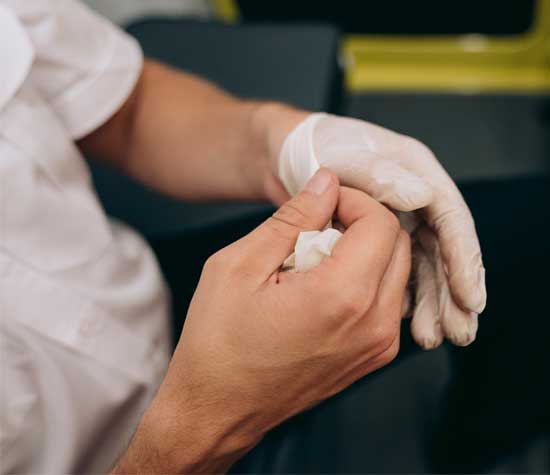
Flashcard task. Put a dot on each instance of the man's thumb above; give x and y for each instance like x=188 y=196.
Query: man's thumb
x=273 y=241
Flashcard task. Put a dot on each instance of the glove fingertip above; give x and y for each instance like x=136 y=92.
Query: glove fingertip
x=426 y=328
x=428 y=337
x=481 y=293
x=461 y=331
x=471 y=295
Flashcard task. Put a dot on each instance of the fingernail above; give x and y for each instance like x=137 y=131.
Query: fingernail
x=320 y=182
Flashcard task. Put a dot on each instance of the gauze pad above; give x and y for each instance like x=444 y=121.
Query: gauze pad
x=311 y=248
x=297 y=164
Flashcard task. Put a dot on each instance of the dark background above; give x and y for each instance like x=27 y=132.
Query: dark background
x=421 y=17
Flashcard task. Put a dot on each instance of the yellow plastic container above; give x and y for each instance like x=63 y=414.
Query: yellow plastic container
x=464 y=64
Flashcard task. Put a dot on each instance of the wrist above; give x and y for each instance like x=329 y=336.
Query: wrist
x=273 y=121
x=176 y=436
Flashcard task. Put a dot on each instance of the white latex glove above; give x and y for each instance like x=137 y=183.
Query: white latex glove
x=448 y=274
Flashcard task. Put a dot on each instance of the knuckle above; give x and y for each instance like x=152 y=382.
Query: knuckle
x=351 y=300
x=386 y=221
x=384 y=335
x=211 y=261
x=370 y=296
x=349 y=308
x=377 y=360
x=221 y=261
x=289 y=215
x=391 y=221
x=389 y=355
x=214 y=262
x=348 y=301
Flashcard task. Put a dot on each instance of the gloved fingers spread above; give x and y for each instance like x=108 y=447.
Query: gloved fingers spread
x=459 y=326
x=426 y=323
x=460 y=252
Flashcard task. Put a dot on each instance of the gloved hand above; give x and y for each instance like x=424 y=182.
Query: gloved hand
x=448 y=274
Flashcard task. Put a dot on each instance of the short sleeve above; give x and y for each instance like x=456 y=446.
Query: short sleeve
x=84 y=66
x=16 y=55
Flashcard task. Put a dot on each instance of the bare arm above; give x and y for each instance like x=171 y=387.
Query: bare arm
x=187 y=138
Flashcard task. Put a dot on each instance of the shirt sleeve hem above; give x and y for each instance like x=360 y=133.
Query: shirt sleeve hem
x=103 y=93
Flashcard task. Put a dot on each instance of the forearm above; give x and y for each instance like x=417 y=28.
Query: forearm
x=187 y=437
x=185 y=137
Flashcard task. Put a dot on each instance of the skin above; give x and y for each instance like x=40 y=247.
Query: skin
x=252 y=331
x=176 y=128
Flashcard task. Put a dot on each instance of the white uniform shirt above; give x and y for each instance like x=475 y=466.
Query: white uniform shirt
x=84 y=338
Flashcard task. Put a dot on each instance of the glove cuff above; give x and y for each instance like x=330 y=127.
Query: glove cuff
x=297 y=160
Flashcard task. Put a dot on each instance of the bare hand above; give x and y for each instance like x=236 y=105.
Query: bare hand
x=260 y=345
